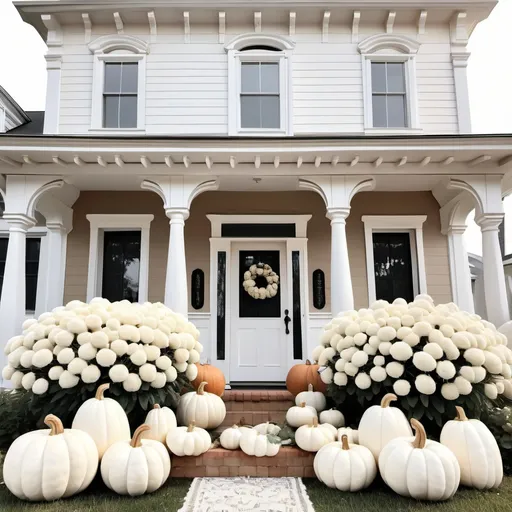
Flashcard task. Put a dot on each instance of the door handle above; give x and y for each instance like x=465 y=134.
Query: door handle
x=287 y=320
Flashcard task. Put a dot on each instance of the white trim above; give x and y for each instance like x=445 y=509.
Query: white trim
x=396 y=224
x=101 y=223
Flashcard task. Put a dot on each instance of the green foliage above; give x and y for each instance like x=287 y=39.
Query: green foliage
x=499 y=421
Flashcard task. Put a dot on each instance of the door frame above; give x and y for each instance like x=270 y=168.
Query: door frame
x=224 y=244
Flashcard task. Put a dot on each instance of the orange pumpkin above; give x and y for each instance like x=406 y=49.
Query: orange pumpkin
x=213 y=376
x=301 y=376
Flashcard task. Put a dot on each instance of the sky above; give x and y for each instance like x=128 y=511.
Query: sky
x=23 y=75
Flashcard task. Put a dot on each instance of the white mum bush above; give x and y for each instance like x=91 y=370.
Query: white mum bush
x=425 y=354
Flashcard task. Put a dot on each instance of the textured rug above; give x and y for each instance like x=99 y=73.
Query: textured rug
x=247 y=494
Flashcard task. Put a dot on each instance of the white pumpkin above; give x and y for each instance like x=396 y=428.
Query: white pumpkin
x=333 y=417
x=268 y=428
x=312 y=437
x=207 y=410
x=161 y=420
x=421 y=469
x=50 y=464
x=103 y=419
x=312 y=398
x=352 y=435
x=299 y=415
x=258 y=445
x=230 y=438
x=380 y=424
x=136 y=467
x=344 y=466
x=476 y=450
x=191 y=441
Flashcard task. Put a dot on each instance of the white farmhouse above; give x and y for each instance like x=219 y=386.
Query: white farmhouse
x=187 y=142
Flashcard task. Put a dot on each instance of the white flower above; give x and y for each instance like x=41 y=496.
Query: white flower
x=147 y=372
x=360 y=358
x=378 y=374
x=39 y=359
x=160 y=381
x=506 y=370
x=491 y=391
x=401 y=387
x=386 y=333
x=161 y=340
x=99 y=339
x=463 y=385
x=374 y=342
x=8 y=372
x=55 y=372
x=187 y=340
x=28 y=380
x=348 y=353
x=480 y=373
x=182 y=367
x=147 y=335
x=475 y=356
x=447 y=330
x=436 y=336
x=87 y=351
x=118 y=373
x=171 y=374
x=76 y=325
x=403 y=332
x=492 y=362
x=191 y=372
x=64 y=338
x=15 y=356
x=163 y=362
x=394 y=322
x=83 y=338
x=425 y=384
x=421 y=328
x=41 y=344
x=379 y=361
x=449 y=391
x=194 y=357
x=182 y=354
x=424 y=361
x=326 y=376
x=132 y=383
x=340 y=379
x=363 y=381
x=68 y=380
x=65 y=356
x=139 y=357
x=40 y=386
x=385 y=348
x=468 y=373
x=129 y=333
x=174 y=341
x=91 y=374
x=394 y=369
x=446 y=370
x=434 y=350
x=352 y=329
x=401 y=351
x=93 y=322
x=77 y=365
x=132 y=348
x=407 y=320
x=369 y=349
x=351 y=369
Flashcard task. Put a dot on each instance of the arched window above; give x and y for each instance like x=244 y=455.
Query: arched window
x=260 y=99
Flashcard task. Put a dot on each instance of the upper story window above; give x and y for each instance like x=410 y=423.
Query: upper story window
x=119 y=83
x=260 y=99
x=389 y=83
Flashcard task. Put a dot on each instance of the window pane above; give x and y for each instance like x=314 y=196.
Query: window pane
x=129 y=78
x=379 y=111
x=111 y=112
x=128 y=112
x=270 y=115
x=270 y=77
x=396 y=111
x=378 y=76
x=250 y=77
x=250 y=112
x=112 y=78
x=396 y=78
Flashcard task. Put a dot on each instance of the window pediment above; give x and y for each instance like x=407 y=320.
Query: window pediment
x=117 y=42
x=247 y=40
x=383 y=42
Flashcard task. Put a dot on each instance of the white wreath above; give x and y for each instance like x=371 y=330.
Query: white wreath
x=261 y=270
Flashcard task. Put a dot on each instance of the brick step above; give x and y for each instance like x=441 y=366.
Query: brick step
x=290 y=461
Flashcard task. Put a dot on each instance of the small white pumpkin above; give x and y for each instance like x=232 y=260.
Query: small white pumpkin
x=299 y=415
x=352 y=435
x=344 y=466
x=136 y=467
x=418 y=468
x=103 y=419
x=333 y=417
x=50 y=464
x=191 y=441
x=476 y=450
x=380 y=424
x=161 y=420
x=230 y=438
x=312 y=398
x=268 y=428
x=258 y=445
x=206 y=410
x=312 y=437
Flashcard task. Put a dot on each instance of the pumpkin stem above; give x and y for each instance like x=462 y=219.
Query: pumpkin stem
x=390 y=397
x=191 y=426
x=461 y=415
x=99 y=392
x=303 y=404
x=200 y=389
x=308 y=362
x=315 y=422
x=421 y=436
x=310 y=387
x=241 y=423
x=156 y=406
x=344 y=443
x=137 y=436
x=55 y=425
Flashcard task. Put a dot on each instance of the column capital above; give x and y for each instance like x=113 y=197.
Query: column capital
x=455 y=229
x=338 y=214
x=177 y=215
x=490 y=221
x=57 y=227
x=19 y=222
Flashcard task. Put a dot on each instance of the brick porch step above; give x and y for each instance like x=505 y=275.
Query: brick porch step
x=290 y=461
x=256 y=406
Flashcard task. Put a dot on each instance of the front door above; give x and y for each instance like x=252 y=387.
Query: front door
x=258 y=333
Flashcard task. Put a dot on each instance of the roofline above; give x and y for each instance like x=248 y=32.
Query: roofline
x=14 y=104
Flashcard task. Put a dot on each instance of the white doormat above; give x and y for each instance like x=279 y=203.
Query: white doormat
x=247 y=494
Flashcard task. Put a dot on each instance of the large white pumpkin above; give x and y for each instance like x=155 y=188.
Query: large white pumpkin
x=476 y=450
x=207 y=410
x=258 y=445
x=50 y=464
x=417 y=468
x=312 y=437
x=344 y=466
x=380 y=424
x=333 y=417
x=312 y=398
x=161 y=420
x=103 y=419
x=299 y=415
x=191 y=441
x=136 y=467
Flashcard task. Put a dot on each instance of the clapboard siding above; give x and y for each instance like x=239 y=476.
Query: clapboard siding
x=187 y=83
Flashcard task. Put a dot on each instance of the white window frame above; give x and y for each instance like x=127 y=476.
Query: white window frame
x=412 y=224
x=390 y=48
x=99 y=223
x=117 y=49
x=235 y=60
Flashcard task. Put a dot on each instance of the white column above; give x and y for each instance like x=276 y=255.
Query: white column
x=459 y=269
x=494 y=276
x=342 y=295
x=52 y=109
x=460 y=64
x=176 y=293
x=56 y=268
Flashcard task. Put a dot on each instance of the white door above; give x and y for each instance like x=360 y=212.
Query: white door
x=258 y=331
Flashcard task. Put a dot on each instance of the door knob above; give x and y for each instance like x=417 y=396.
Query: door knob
x=287 y=320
